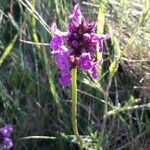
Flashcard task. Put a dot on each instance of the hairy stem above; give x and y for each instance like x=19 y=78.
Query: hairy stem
x=74 y=106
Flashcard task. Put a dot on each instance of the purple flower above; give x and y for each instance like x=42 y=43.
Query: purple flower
x=85 y=61
x=77 y=47
x=98 y=39
x=5 y=140
x=62 y=60
x=57 y=42
x=94 y=69
x=65 y=77
x=77 y=14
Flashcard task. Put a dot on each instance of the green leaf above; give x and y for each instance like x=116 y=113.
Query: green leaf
x=8 y=49
x=113 y=67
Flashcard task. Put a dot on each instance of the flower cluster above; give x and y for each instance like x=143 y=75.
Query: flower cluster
x=77 y=47
x=5 y=140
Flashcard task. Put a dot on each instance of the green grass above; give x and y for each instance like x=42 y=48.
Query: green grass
x=113 y=112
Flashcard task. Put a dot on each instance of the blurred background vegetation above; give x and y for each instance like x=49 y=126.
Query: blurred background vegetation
x=32 y=99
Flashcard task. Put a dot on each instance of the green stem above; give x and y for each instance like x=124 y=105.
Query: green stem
x=74 y=106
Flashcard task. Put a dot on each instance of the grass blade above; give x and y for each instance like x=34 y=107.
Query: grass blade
x=8 y=50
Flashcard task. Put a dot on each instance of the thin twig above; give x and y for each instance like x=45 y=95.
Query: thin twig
x=33 y=43
x=37 y=137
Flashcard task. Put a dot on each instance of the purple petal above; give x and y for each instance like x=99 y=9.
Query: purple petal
x=87 y=37
x=92 y=26
x=102 y=38
x=54 y=28
x=61 y=49
x=8 y=142
x=85 y=61
x=76 y=36
x=65 y=77
x=75 y=43
x=105 y=36
x=62 y=61
x=77 y=13
x=56 y=31
x=94 y=69
x=73 y=25
x=92 y=50
x=100 y=46
x=98 y=39
x=6 y=130
x=57 y=44
x=94 y=38
x=94 y=72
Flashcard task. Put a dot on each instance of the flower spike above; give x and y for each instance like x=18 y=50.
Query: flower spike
x=5 y=140
x=77 y=47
